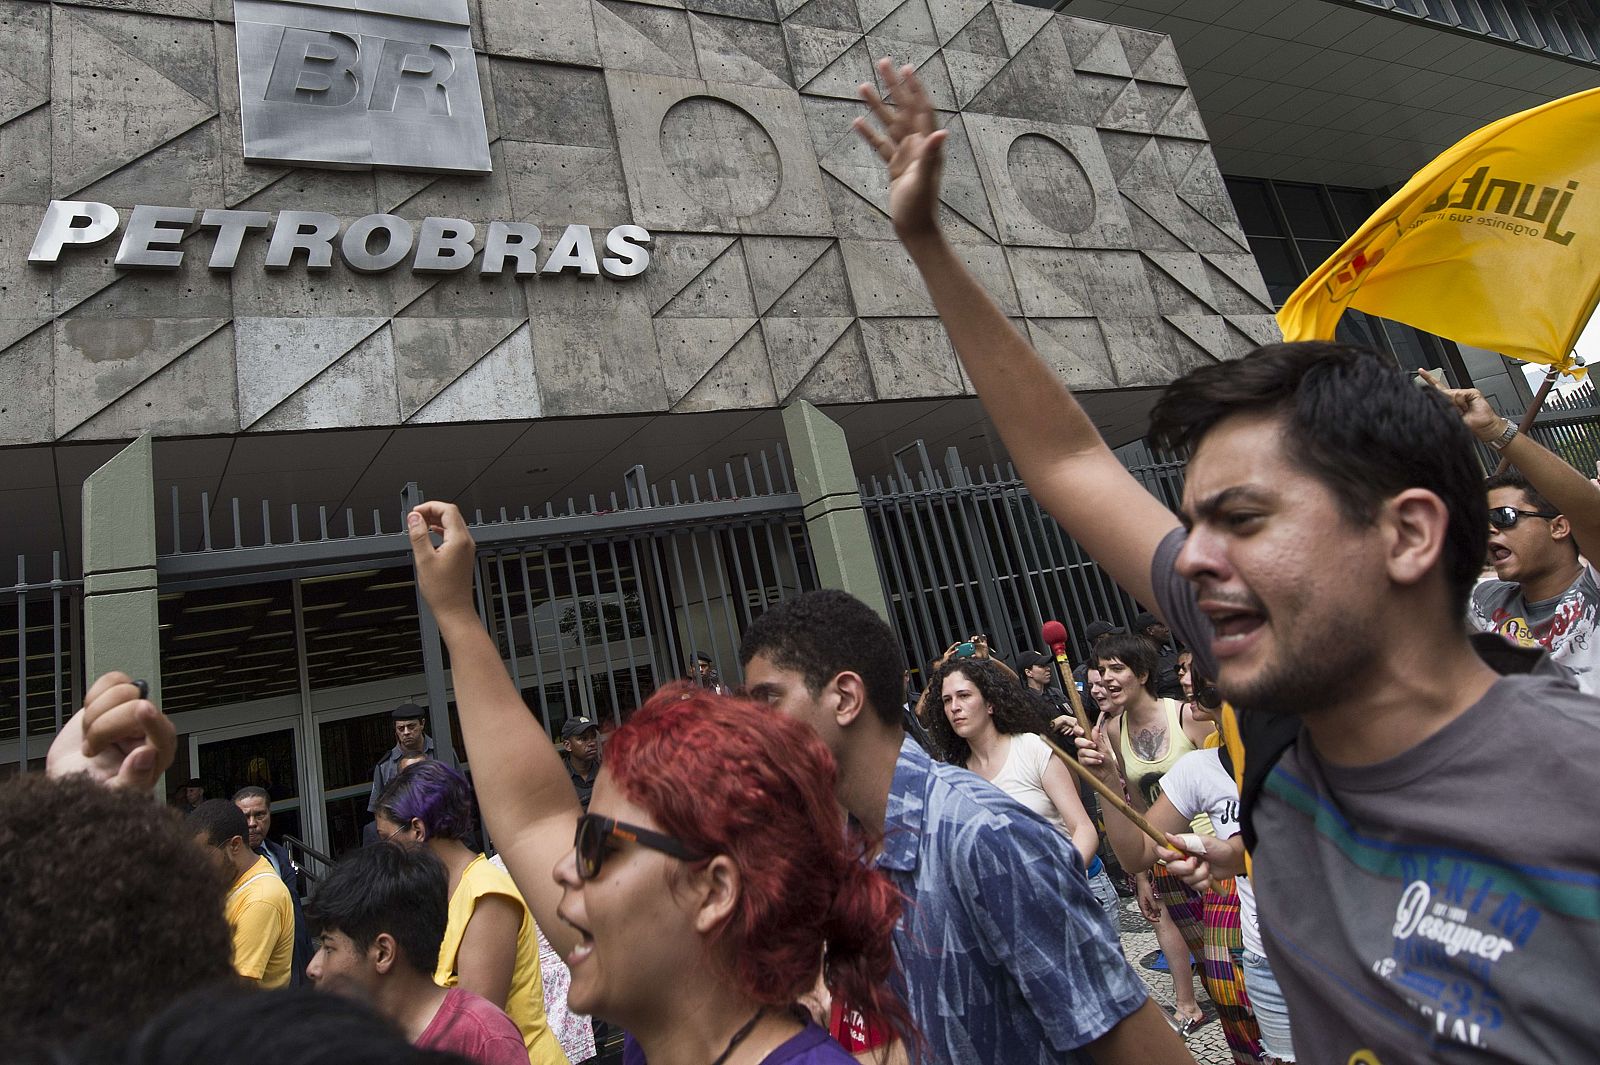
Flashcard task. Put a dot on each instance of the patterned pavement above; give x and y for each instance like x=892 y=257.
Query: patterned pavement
x=1139 y=942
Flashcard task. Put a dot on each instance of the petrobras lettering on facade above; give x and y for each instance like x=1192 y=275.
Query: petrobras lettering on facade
x=358 y=84
x=153 y=236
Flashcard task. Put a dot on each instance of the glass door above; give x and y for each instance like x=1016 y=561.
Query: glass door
x=351 y=746
x=265 y=754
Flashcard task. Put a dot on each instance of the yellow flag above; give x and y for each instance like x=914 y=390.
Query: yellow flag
x=1234 y=741
x=1496 y=243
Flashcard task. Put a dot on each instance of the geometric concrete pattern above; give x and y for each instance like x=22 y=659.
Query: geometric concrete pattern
x=1079 y=186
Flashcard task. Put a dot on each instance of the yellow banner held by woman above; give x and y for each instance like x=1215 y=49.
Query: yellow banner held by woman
x=1496 y=243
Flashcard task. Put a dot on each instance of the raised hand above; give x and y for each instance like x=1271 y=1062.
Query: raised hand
x=1474 y=409
x=1095 y=754
x=444 y=572
x=906 y=137
x=119 y=738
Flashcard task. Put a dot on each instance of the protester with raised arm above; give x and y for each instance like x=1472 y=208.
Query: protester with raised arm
x=694 y=899
x=1544 y=519
x=1418 y=898
x=90 y=868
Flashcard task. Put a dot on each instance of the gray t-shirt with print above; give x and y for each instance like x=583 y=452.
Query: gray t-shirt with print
x=1443 y=906
x=1566 y=625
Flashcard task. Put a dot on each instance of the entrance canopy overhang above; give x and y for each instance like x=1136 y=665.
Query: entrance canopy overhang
x=483 y=466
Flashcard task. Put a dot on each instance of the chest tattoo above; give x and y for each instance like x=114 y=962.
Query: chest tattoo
x=1150 y=744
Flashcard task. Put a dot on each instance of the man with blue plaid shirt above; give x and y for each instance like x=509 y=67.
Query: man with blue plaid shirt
x=1004 y=955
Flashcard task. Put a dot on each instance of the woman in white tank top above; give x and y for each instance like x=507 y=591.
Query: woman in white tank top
x=989 y=725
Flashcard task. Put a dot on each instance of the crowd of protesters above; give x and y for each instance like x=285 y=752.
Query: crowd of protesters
x=1359 y=851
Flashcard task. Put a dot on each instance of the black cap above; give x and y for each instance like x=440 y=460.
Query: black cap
x=1144 y=621
x=192 y=782
x=577 y=726
x=1028 y=659
x=701 y=656
x=1098 y=628
x=408 y=712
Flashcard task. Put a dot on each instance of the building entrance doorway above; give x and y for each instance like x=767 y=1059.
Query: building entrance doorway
x=267 y=754
x=349 y=744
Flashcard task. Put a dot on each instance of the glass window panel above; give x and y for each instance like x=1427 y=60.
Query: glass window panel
x=1317 y=252
x=1353 y=206
x=266 y=760
x=1306 y=211
x=346 y=819
x=1356 y=328
x=1494 y=17
x=350 y=748
x=227 y=645
x=1410 y=347
x=361 y=627
x=1255 y=213
x=1278 y=267
x=612 y=694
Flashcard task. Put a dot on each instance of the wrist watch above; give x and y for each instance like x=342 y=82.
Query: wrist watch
x=1508 y=434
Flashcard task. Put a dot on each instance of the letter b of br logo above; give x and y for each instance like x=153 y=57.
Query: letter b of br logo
x=391 y=83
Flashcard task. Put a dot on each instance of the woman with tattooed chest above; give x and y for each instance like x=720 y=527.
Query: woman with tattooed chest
x=1148 y=736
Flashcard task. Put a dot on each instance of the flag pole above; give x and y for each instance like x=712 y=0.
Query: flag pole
x=1532 y=412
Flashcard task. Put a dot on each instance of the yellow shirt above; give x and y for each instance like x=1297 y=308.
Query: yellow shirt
x=525 y=1003
x=261 y=914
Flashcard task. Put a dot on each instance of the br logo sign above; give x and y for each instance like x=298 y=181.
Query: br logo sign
x=360 y=84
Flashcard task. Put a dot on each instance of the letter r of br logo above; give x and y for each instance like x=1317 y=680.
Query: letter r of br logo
x=360 y=83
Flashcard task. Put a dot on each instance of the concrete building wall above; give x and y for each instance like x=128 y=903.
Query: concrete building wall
x=1079 y=186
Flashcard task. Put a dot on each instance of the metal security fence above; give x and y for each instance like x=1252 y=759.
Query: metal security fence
x=962 y=552
x=1569 y=425
x=41 y=640
x=592 y=620
x=593 y=604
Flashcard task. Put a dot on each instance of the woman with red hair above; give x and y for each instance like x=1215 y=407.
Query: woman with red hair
x=712 y=875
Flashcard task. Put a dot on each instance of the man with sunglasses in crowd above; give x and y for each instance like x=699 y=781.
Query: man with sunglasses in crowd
x=1544 y=520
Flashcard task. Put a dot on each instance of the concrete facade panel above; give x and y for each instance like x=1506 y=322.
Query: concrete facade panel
x=1079 y=187
x=194 y=393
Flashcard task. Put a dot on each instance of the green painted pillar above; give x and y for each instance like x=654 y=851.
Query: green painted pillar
x=120 y=621
x=841 y=543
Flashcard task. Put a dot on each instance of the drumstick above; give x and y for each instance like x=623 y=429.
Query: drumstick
x=1104 y=790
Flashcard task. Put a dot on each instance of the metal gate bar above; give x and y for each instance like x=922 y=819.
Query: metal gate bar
x=34 y=701
x=968 y=554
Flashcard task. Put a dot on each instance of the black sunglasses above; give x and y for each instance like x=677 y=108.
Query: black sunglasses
x=1507 y=517
x=594 y=832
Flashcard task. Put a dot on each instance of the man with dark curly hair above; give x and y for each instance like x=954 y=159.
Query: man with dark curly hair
x=95 y=944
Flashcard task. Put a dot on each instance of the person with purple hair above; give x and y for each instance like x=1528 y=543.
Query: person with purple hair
x=490 y=943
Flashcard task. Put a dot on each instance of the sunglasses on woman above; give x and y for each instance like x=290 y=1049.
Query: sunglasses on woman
x=596 y=832
x=1507 y=517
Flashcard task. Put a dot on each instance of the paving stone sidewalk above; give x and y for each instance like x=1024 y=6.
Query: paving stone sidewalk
x=1139 y=942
